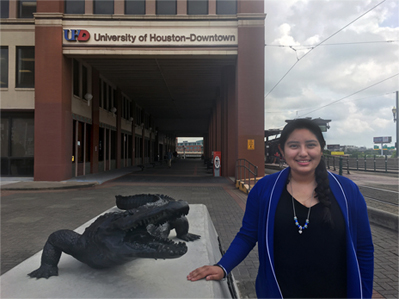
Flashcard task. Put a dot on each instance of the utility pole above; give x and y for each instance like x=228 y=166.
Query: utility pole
x=397 y=124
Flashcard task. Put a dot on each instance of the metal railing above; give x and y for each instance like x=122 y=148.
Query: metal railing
x=246 y=172
x=374 y=164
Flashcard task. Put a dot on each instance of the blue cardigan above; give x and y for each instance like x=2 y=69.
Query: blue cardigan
x=258 y=226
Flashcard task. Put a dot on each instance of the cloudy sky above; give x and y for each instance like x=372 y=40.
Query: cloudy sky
x=333 y=60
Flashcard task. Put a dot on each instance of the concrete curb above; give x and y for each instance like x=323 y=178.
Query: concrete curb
x=384 y=219
x=27 y=186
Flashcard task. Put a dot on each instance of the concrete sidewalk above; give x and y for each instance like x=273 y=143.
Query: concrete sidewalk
x=29 y=215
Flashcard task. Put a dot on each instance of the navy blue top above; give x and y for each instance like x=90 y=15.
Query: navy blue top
x=311 y=264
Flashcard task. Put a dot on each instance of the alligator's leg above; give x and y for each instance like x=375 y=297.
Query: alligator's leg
x=58 y=242
x=181 y=226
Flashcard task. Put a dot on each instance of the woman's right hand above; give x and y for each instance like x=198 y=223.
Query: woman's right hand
x=207 y=272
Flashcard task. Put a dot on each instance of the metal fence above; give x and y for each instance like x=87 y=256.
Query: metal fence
x=374 y=164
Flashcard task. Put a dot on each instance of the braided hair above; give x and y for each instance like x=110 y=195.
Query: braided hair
x=322 y=189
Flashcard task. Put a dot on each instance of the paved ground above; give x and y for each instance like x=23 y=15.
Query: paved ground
x=29 y=214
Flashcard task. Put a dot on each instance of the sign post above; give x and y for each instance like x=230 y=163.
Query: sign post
x=382 y=140
x=217 y=157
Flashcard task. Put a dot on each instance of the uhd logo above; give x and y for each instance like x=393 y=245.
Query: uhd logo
x=74 y=35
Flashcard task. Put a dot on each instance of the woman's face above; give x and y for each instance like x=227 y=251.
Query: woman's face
x=302 y=151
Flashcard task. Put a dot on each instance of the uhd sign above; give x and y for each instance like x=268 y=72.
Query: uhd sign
x=144 y=36
x=73 y=35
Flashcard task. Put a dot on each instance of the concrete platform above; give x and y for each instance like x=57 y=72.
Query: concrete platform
x=141 y=278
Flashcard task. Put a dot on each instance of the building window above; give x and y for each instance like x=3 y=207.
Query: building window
x=126 y=108
x=114 y=98
x=4 y=66
x=226 y=7
x=84 y=81
x=4 y=8
x=166 y=7
x=25 y=67
x=80 y=79
x=76 y=77
x=138 y=118
x=75 y=7
x=26 y=8
x=103 y=7
x=17 y=144
x=135 y=7
x=105 y=96
x=197 y=7
x=83 y=142
x=110 y=98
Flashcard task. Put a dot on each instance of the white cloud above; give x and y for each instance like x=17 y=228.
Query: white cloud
x=363 y=54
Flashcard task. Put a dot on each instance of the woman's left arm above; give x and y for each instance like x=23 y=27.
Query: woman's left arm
x=364 y=245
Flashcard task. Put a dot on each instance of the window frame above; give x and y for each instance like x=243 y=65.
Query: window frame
x=5 y=9
x=130 y=5
x=4 y=68
x=220 y=6
x=164 y=5
x=97 y=9
x=26 y=13
x=81 y=73
x=18 y=70
x=195 y=3
x=75 y=9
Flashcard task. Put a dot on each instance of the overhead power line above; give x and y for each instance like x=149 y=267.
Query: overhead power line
x=350 y=94
x=280 y=111
x=302 y=47
x=299 y=59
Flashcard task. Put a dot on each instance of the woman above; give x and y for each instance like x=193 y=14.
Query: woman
x=312 y=228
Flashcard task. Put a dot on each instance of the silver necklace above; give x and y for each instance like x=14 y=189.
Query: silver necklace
x=301 y=228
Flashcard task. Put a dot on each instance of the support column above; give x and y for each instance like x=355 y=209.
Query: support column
x=133 y=144
x=229 y=112
x=150 y=7
x=218 y=127
x=76 y=145
x=95 y=117
x=119 y=7
x=53 y=117
x=118 y=106
x=143 y=145
x=181 y=7
x=212 y=7
x=250 y=84
x=13 y=9
x=88 y=7
x=105 y=149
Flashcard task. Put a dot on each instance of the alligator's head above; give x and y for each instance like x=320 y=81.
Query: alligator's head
x=125 y=234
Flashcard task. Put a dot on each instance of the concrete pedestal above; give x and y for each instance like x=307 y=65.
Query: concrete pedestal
x=140 y=278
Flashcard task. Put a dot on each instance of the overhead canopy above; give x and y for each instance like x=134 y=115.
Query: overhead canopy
x=178 y=92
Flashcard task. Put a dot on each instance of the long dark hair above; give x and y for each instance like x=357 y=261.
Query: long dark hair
x=322 y=189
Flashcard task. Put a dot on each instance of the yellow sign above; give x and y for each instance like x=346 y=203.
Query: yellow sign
x=337 y=153
x=251 y=144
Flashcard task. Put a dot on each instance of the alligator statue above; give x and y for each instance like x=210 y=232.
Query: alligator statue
x=141 y=231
